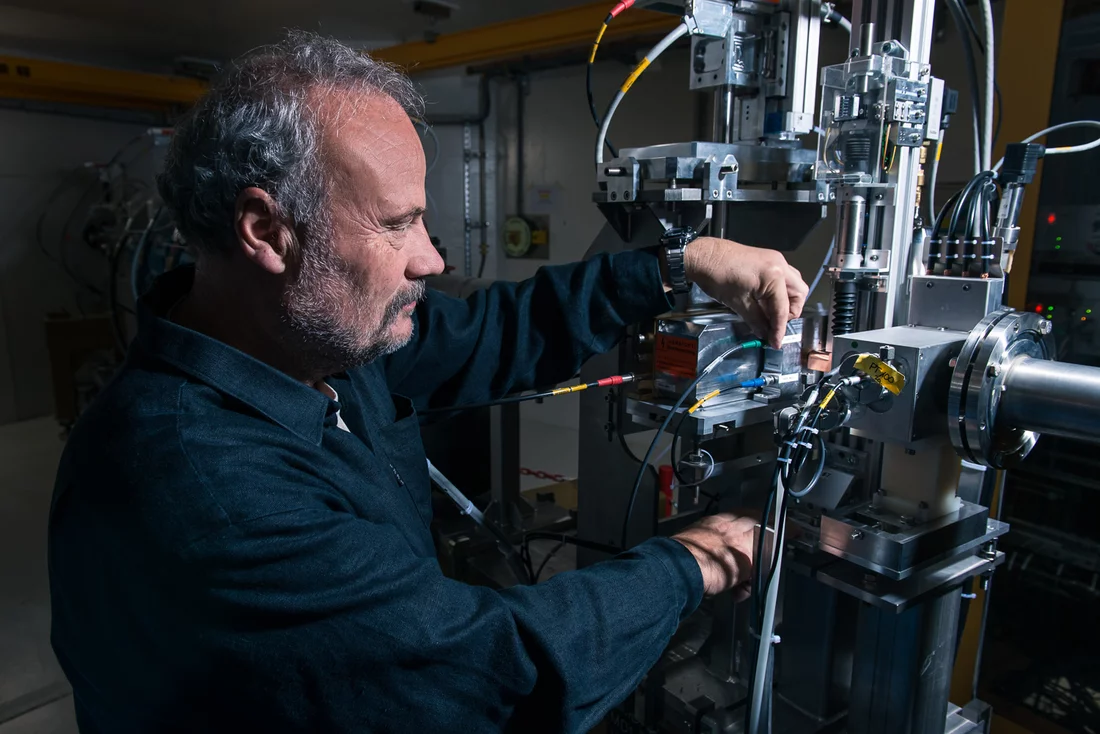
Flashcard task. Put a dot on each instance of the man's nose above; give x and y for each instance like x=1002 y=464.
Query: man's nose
x=425 y=259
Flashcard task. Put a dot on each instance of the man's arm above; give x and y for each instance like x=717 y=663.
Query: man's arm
x=356 y=631
x=515 y=336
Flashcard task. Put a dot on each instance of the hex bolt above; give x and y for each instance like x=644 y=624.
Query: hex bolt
x=994 y=370
x=1044 y=327
x=886 y=352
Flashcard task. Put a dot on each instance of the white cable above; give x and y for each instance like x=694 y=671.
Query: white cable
x=767 y=623
x=465 y=506
x=650 y=57
x=1061 y=151
x=990 y=75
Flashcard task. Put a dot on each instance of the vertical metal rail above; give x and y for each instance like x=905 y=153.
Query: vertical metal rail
x=468 y=225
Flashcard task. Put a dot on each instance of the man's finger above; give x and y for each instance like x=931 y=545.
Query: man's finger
x=776 y=305
x=797 y=291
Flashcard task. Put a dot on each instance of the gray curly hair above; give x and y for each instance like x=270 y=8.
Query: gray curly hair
x=257 y=127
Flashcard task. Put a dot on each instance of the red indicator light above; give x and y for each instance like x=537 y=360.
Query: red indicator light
x=1039 y=308
x=1051 y=218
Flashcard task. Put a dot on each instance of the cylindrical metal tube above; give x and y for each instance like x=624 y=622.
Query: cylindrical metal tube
x=849 y=249
x=866 y=38
x=1055 y=398
x=724 y=121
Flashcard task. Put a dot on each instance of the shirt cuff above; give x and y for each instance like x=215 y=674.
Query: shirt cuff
x=682 y=568
x=637 y=274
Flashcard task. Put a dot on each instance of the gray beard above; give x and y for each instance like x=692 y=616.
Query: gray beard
x=323 y=290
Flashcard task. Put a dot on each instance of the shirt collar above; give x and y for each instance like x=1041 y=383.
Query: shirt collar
x=279 y=397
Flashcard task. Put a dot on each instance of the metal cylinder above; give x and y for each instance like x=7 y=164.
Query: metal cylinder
x=849 y=250
x=723 y=130
x=866 y=38
x=1055 y=398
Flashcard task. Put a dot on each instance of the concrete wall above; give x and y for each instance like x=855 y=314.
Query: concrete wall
x=40 y=153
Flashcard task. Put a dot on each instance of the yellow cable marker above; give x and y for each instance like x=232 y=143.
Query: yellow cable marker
x=882 y=373
x=704 y=399
x=634 y=75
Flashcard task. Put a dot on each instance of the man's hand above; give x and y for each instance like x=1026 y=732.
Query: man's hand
x=722 y=544
x=758 y=284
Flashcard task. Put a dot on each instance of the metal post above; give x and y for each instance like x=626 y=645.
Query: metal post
x=467 y=235
x=901 y=675
x=723 y=131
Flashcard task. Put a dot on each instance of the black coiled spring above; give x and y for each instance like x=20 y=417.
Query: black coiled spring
x=844 y=308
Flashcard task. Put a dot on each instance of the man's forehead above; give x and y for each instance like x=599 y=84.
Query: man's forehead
x=368 y=134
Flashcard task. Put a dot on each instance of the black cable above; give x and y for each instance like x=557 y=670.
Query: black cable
x=591 y=96
x=630 y=452
x=542 y=566
x=664 y=426
x=958 y=12
x=507 y=400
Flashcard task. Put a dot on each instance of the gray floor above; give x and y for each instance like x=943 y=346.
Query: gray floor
x=34 y=697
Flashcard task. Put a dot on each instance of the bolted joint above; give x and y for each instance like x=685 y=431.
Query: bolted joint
x=886 y=353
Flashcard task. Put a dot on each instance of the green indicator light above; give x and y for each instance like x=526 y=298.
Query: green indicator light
x=1048 y=316
x=1057 y=247
x=1057 y=239
x=1050 y=308
x=1088 y=311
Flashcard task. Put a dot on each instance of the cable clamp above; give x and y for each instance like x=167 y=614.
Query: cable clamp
x=812 y=430
x=782 y=460
x=806 y=444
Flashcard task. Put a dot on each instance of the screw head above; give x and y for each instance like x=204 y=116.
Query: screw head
x=966 y=287
x=715 y=193
x=874 y=258
x=1044 y=327
x=856 y=534
x=929 y=284
x=994 y=370
x=729 y=194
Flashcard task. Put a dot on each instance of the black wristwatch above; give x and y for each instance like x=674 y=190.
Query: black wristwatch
x=674 y=242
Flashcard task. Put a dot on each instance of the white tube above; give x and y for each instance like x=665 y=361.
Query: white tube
x=767 y=624
x=1061 y=151
x=465 y=506
x=990 y=75
x=650 y=57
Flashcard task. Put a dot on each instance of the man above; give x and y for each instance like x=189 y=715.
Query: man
x=239 y=539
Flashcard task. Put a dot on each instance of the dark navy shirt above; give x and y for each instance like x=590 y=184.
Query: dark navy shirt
x=223 y=557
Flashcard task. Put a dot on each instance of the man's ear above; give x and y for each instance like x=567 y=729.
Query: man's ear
x=264 y=237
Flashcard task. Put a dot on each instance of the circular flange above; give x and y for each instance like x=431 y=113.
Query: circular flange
x=976 y=387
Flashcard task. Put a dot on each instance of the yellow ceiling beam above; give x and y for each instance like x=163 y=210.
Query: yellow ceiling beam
x=54 y=81
x=557 y=31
